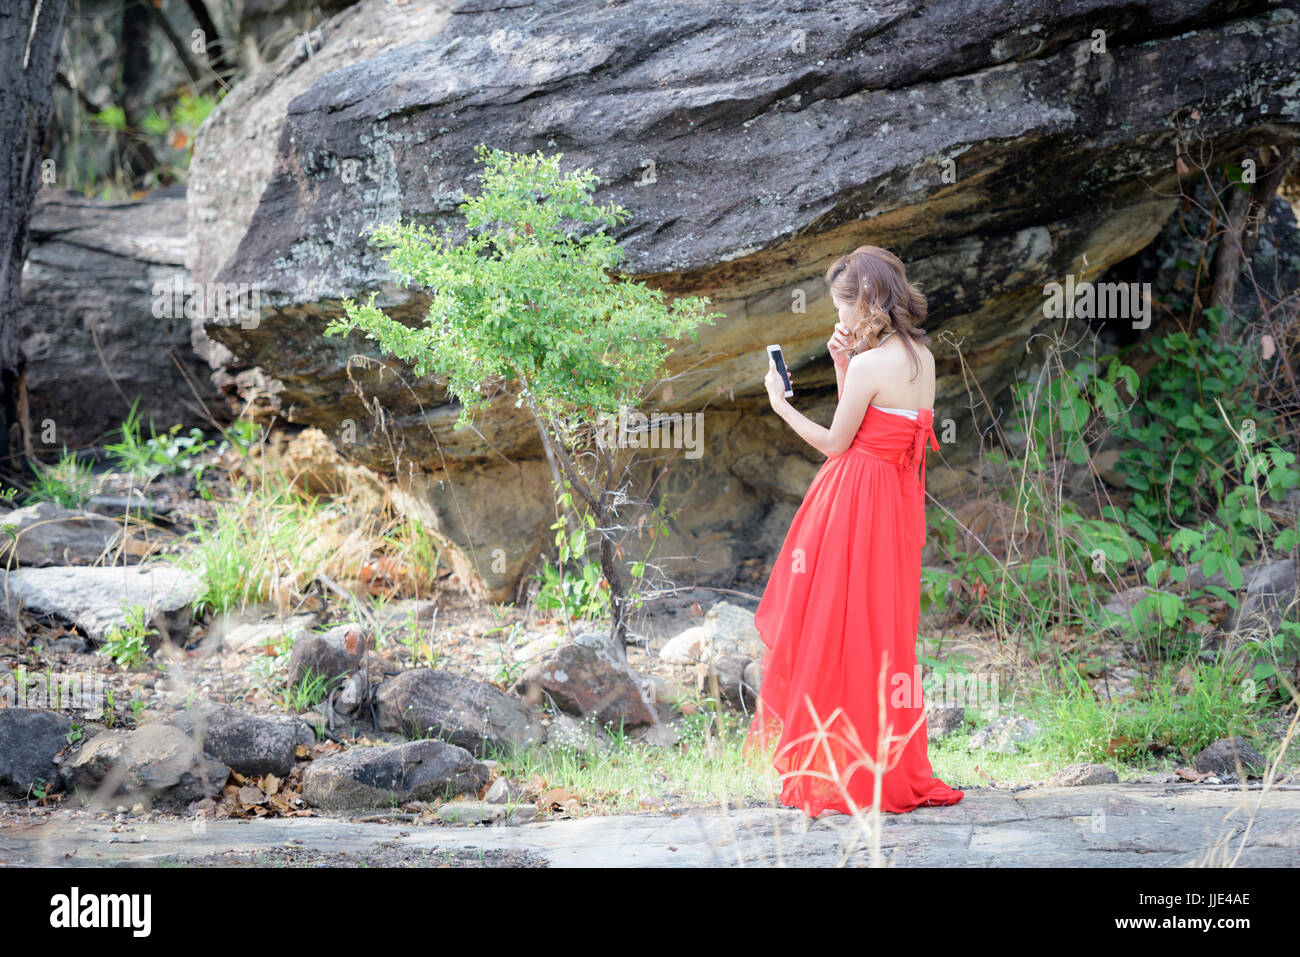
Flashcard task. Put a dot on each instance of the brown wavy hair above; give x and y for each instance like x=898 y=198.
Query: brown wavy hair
x=875 y=282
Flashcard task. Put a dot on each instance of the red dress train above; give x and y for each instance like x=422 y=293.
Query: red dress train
x=841 y=612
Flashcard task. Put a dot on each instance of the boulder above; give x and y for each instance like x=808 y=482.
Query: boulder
x=333 y=654
x=259 y=634
x=156 y=760
x=684 y=648
x=727 y=629
x=585 y=677
x=943 y=720
x=97 y=598
x=990 y=159
x=729 y=671
x=1004 y=735
x=49 y=534
x=30 y=738
x=1223 y=756
x=1078 y=775
x=1272 y=594
x=731 y=632
x=386 y=776
x=246 y=743
x=504 y=791
x=93 y=327
x=473 y=714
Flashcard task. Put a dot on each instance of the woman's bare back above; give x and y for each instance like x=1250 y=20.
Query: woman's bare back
x=904 y=382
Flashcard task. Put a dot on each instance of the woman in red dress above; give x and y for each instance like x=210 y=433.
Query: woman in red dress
x=839 y=617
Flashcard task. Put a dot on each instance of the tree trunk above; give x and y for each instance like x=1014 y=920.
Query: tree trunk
x=30 y=34
x=1241 y=232
x=610 y=565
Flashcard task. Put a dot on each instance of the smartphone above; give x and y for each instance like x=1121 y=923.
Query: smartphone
x=779 y=359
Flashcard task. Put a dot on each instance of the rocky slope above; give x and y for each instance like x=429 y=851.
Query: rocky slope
x=994 y=146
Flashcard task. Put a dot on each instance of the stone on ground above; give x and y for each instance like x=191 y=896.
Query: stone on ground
x=386 y=776
x=473 y=714
x=1079 y=775
x=1222 y=757
x=154 y=761
x=585 y=678
x=247 y=743
x=49 y=534
x=29 y=740
x=97 y=598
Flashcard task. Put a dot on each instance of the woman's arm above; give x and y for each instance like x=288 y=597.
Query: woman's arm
x=856 y=396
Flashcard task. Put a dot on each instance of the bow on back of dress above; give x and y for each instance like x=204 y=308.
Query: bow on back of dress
x=924 y=431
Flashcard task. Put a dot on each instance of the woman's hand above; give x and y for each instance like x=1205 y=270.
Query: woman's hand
x=838 y=345
x=775 y=387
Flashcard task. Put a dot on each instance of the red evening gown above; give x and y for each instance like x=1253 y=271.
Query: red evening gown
x=844 y=602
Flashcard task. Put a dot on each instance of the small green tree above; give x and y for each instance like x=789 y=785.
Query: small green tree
x=530 y=302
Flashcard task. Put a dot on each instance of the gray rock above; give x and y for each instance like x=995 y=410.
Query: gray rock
x=943 y=720
x=87 y=318
x=156 y=760
x=96 y=598
x=684 y=648
x=503 y=791
x=256 y=634
x=585 y=677
x=49 y=534
x=583 y=735
x=335 y=653
x=1165 y=778
x=244 y=742
x=732 y=632
x=481 y=812
x=1272 y=593
x=223 y=195
x=354 y=693
x=1005 y=734
x=1221 y=758
x=473 y=714
x=30 y=738
x=1078 y=775
x=729 y=671
x=727 y=629
x=384 y=776
x=120 y=506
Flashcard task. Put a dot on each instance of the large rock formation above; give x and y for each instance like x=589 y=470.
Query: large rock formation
x=995 y=147
x=91 y=328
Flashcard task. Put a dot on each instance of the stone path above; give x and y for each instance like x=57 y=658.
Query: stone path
x=1097 y=826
